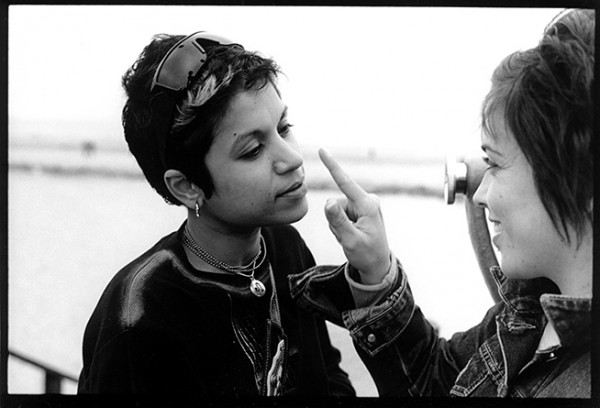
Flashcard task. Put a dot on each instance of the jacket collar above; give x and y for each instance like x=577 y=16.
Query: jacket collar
x=570 y=317
x=530 y=303
x=522 y=296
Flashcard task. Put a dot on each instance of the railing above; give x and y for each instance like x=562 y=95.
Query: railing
x=53 y=377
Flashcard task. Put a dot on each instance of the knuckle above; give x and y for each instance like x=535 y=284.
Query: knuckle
x=352 y=243
x=374 y=198
x=373 y=202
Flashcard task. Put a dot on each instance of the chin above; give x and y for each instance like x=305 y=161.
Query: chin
x=298 y=212
x=291 y=215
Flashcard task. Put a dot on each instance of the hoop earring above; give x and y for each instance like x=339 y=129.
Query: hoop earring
x=197 y=210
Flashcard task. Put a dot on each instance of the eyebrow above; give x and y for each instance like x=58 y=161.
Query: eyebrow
x=239 y=138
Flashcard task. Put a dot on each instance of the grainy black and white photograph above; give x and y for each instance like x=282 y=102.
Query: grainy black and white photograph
x=299 y=201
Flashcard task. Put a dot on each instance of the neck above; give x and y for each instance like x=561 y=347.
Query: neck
x=234 y=247
x=575 y=278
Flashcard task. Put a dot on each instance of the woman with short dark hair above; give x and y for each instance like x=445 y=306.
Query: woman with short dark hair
x=538 y=193
x=207 y=310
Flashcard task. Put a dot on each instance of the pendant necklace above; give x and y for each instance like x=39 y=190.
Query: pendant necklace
x=256 y=287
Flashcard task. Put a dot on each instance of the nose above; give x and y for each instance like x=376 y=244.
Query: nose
x=287 y=156
x=480 y=196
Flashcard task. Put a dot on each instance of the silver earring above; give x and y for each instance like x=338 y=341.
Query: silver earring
x=197 y=210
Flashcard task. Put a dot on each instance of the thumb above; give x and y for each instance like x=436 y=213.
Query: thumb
x=337 y=218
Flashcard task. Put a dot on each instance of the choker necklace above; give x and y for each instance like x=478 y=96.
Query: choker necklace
x=256 y=287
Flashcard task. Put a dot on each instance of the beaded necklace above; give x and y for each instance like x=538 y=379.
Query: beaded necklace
x=256 y=287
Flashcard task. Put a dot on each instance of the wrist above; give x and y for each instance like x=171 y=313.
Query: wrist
x=374 y=275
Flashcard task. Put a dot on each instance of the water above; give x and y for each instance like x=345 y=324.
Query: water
x=69 y=234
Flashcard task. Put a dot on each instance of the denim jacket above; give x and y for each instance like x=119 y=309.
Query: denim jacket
x=496 y=358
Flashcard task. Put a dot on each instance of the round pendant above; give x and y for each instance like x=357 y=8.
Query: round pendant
x=257 y=288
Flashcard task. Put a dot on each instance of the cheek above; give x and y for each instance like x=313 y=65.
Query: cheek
x=530 y=236
x=495 y=202
x=233 y=187
x=512 y=204
x=247 y=188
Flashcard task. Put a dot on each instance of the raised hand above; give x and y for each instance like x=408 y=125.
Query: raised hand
x=357 y=223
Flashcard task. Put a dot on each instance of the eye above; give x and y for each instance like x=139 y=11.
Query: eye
x=251 y=154
x=489 y=163
x=285 y=129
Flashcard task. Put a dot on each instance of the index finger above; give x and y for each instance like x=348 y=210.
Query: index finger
x=349 y=187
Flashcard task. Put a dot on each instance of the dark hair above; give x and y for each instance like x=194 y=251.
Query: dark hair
x=546 y=96
x=227 y=71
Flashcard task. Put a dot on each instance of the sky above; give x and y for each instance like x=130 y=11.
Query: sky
x=389 y=79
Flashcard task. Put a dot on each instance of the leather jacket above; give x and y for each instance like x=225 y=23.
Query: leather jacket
x=163 y=327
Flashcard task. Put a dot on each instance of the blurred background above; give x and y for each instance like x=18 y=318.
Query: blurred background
x=389 y=91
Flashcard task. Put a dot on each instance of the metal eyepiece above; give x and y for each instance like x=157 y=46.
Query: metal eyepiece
x=455 y=179
x=462 y=176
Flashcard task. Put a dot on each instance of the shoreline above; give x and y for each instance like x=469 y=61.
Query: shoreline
x=378 y=175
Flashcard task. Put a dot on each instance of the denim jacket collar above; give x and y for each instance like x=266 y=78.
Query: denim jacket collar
x=570 y=317
x=529 y=305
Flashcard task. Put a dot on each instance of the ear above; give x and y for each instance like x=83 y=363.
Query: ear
x=182 y=189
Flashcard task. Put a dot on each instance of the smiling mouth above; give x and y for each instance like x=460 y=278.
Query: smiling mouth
x=496 y=227
x=495 y=241
x=496 y=231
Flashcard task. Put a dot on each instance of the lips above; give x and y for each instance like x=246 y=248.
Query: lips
x=297 y=189
x=494 y=222
x=496 y=241
x=496 y=231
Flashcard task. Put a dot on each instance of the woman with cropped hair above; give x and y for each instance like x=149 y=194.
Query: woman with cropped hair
x=537 y=191
x=207 y=310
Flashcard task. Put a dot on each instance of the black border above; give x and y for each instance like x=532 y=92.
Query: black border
x=47 y=400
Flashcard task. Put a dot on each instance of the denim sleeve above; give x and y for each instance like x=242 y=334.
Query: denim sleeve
x=399 y=347
x=403 y=351
x=367 y=295
x=324 y=291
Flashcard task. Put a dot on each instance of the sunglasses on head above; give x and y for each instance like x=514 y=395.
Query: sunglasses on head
x=185 y=59
x=178 y=68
